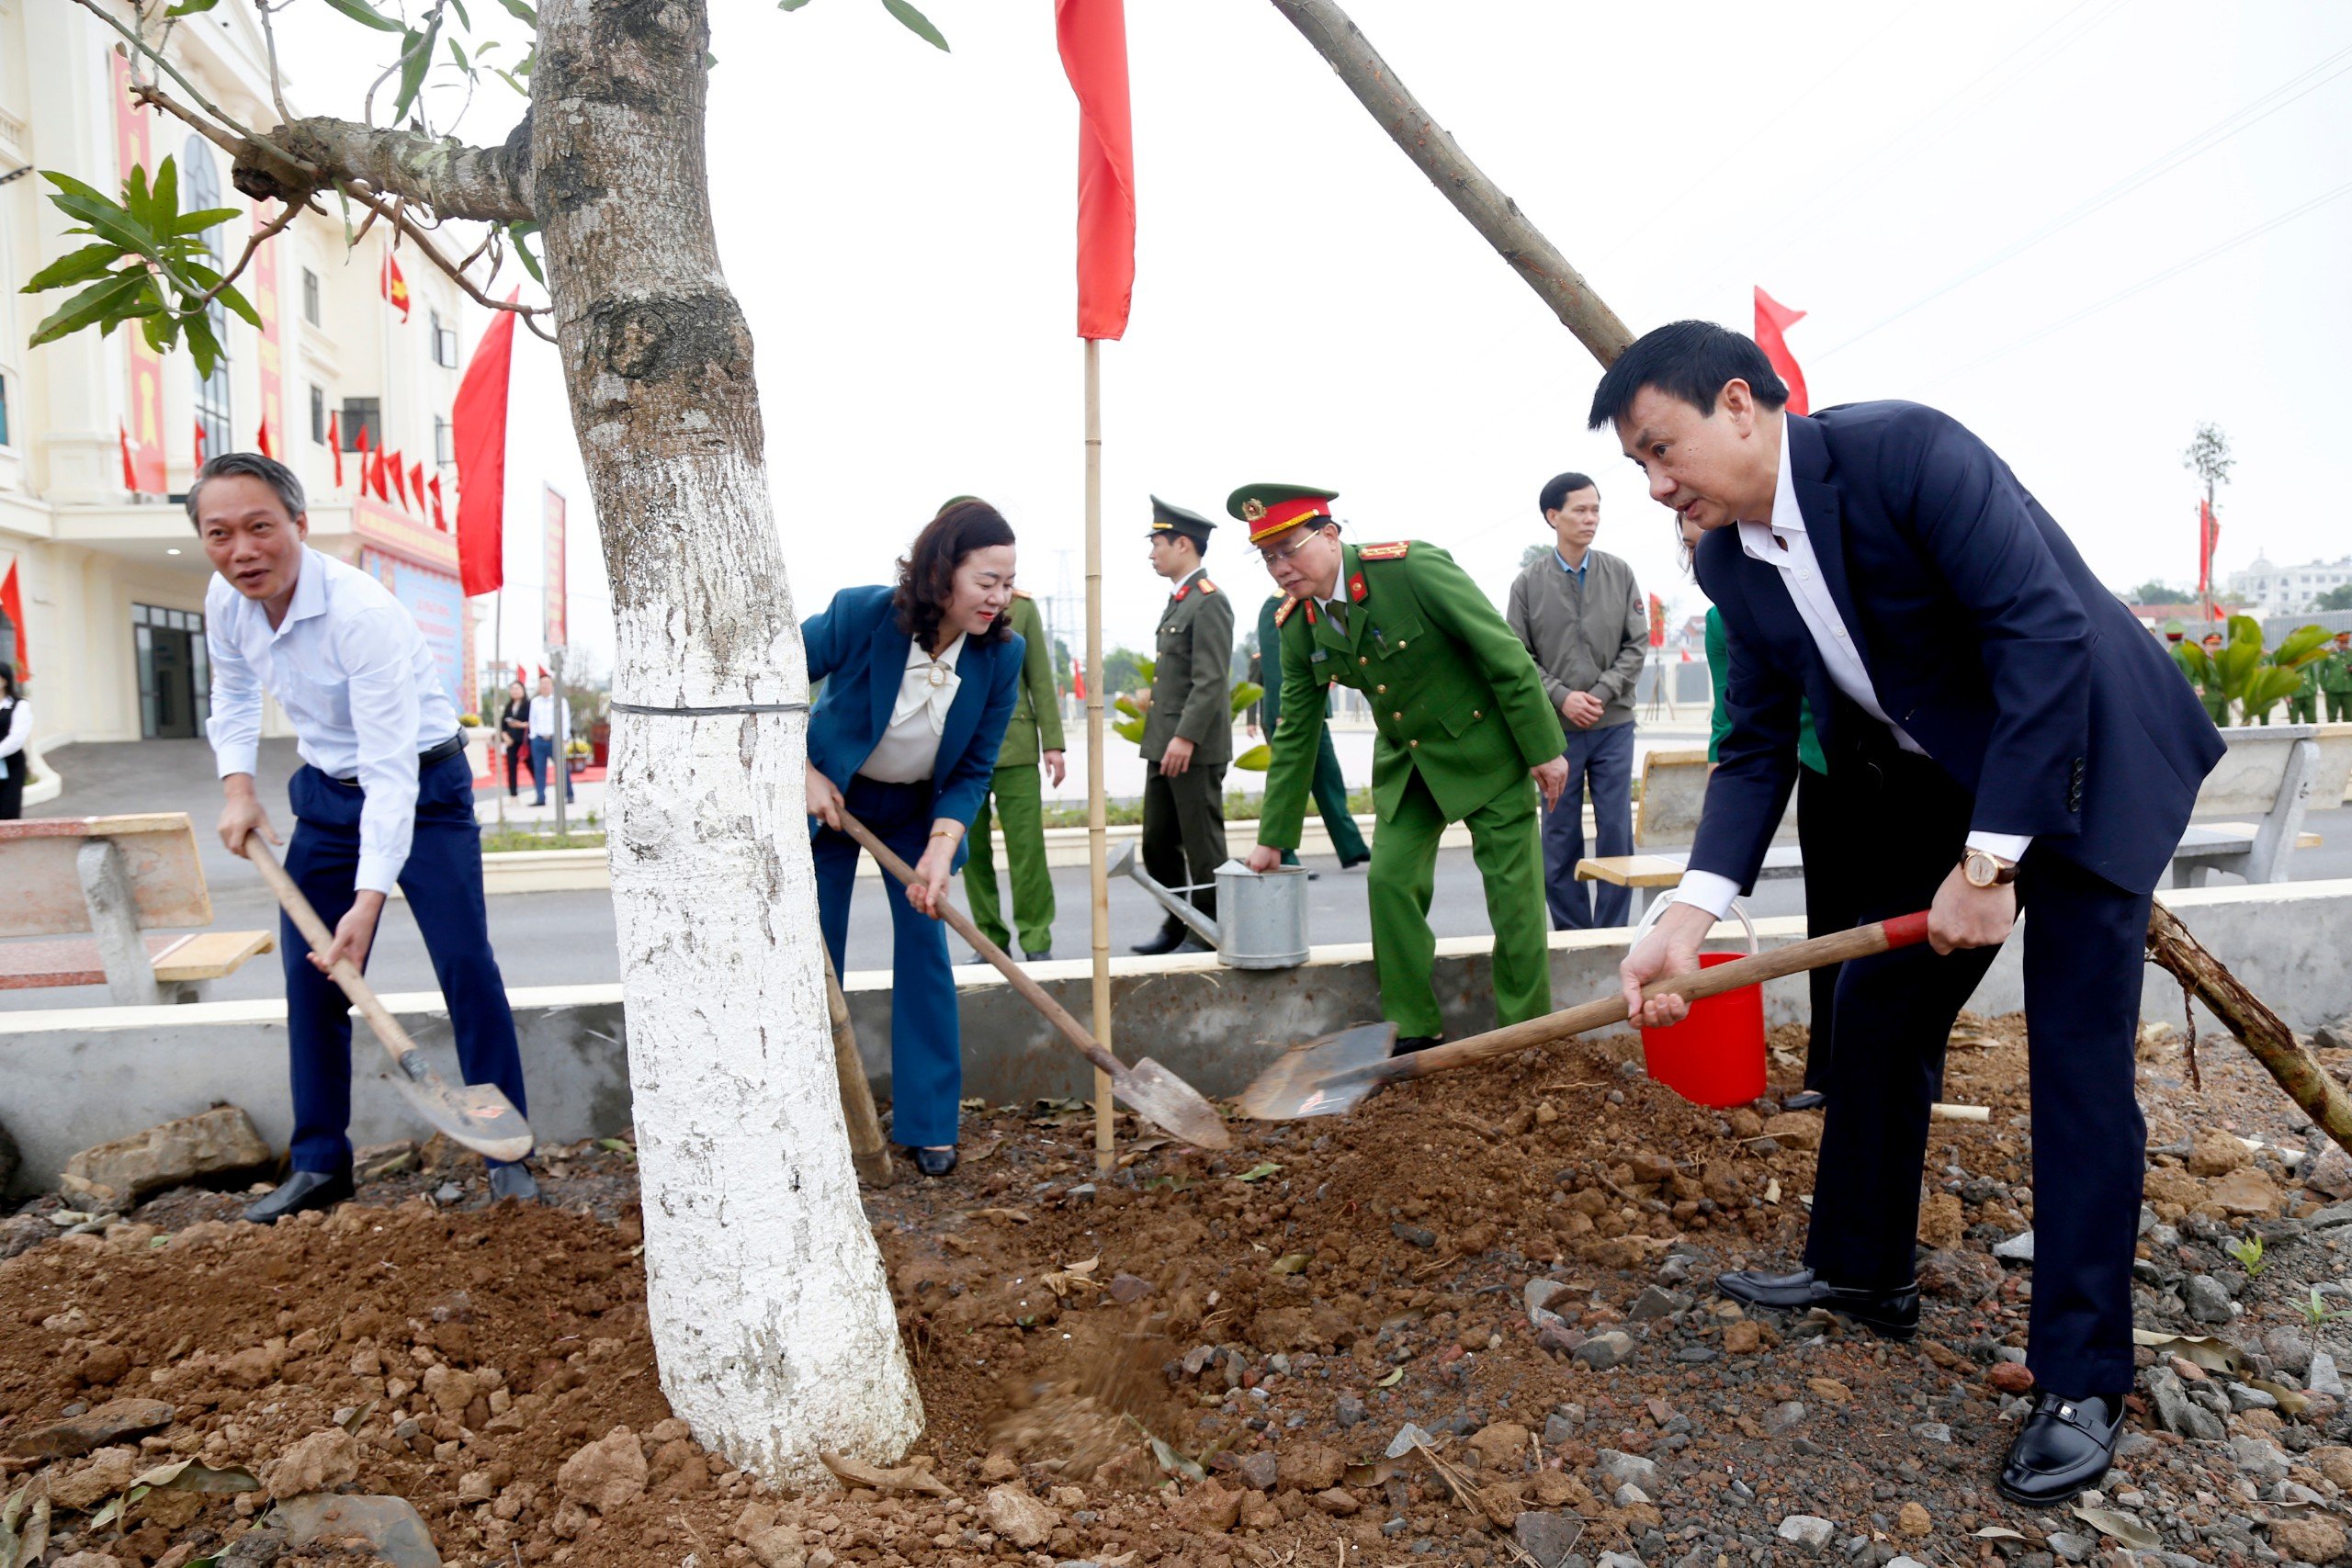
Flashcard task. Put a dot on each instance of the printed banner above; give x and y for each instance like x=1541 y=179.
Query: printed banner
x=552 y=617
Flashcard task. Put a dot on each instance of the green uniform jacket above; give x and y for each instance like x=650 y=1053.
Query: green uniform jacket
x=1036 y=722
x=2335 y=671
x=1192 y=689
x=1454 y=693
x=2181 y=658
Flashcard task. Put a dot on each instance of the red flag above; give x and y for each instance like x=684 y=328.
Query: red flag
x=130 y=470
x=439 y=521
x=477 y=440
x=1772 y=320
x=416 y=484
x=1093 y=38
x=1078 y=679
x=264 y=439
x=1657 y=622
x=2208 y=537
x=395 y=284
x=12 y=604
x=335 y=444
x=375 y=475
x=399 y=480
x=199 y=444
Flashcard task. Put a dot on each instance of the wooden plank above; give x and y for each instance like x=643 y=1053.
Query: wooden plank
x=1630 y=871
x=210 y=956
x=67 y=961
x=39 y=867
x=93 y=827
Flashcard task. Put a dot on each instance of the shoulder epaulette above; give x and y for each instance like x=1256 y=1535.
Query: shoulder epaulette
x=1206 y=586
x=1383 y=552
x=1283 y=614
x=1022 y=594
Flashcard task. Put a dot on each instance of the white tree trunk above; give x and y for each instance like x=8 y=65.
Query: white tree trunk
x=771 y=1316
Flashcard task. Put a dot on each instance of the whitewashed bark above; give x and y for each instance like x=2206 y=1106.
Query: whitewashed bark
x=771 y=1316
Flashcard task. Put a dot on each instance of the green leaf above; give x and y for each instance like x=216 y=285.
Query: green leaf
x=790 y=5
x=1256 y=759
x=1131 y=731
x=1244 y=693
x=107 y=1515
x=1258 y=1172
x=82 y=265
x=202 y=343
x=103 y=302
x=519 y=235
x=161 y=329
x=1392 y=1380
x=915 y=22
x=417 y=59
x=1148 y=670
x=189 y=8
x=522 y=11
x=463 y=20
x=107 y=220
x=615 y=1146
x=367 y=16
x=190 y=223
x=237 y=302
x=1127 y=705
x=458 y=53
x=2302 y=645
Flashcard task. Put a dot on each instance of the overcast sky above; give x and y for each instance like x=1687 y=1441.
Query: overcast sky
x=1966 y=200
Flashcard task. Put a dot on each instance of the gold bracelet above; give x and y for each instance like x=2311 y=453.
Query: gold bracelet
x=949 y=833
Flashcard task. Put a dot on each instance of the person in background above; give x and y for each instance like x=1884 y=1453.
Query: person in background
x=1188 y=725
x=2335 y=679
x=1034 y=733
x=920 y=680
x=2216 y=700
x=551 y=739
x=2177 y=644
x=2303 y=703
x=514 y=735
x=1329 y=786
x=384 y=797
x=1580 y=615
x=16 y=745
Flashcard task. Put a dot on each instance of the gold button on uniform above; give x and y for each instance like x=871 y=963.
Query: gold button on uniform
x=1415 y=741
x=1475 y=714
x=1396 y=715
x=1381 y=690
x=1363 y=658
x=1400 y=644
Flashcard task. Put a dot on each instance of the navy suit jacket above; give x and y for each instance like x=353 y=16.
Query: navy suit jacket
x=1985 y=638
x=855 y=646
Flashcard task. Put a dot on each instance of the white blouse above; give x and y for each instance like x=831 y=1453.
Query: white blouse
x=910 y=745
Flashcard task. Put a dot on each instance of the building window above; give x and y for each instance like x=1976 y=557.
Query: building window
x=3 y=408
x=311 y=297
x=362 y=414
x=200 y=180
x=445 y=442
x=318 y=415
x=174 y=673
x=445 y=344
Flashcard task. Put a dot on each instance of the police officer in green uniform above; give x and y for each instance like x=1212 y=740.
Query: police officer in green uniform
x=1036 y=726
x=2217 y=701
x=1330 y=786
x=1463 y=728
x=2184 y=656
x=1188 y=729
x=2303 y=703
x=2335 y=679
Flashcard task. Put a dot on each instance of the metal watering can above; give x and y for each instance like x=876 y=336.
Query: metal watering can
x=1260 y=916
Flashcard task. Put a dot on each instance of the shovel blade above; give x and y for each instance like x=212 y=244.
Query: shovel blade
x=479 y=1116
x=1170 y=1104
x=1320 y=1077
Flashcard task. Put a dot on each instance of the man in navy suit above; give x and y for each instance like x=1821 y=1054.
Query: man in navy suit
x=2011 y=735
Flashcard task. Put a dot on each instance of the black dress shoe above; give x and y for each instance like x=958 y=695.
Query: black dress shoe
x=514 y=1182
x=2066 y=1445
x=1408 y=1044
x=934 y=1162
x=1042 y=956
x=1171 y=936
x=303 y=1189
x=1347 y=864
x=1889 y=1313
x=1805 y=1100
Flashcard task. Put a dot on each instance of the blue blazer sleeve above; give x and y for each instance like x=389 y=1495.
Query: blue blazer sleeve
x=821 y=639
x=966 y=783
x=1756 y=756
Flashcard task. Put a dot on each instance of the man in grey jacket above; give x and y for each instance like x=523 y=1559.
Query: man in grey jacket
x=1580 y=613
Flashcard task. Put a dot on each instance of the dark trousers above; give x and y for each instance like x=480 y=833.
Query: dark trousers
x=1183 y=829
x=926 y=1041
x=12 y=787
x=1330 y=791
x=1829 y=899
x=1603 y=759
x=521 y=755
x=442 y=882
x=547 y=767
x=2084 y=940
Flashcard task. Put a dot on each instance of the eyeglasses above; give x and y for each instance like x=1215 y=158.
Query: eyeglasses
x=1275 y=557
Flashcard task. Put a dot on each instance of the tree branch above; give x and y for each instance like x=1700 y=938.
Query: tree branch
x=402 y=223
x=1496 y=217
x=489 y=184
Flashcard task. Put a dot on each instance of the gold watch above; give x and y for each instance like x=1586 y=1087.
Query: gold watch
x=1985 y=869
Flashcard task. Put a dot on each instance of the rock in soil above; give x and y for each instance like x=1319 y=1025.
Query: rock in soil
x=74 y=1436
x=218 y=1144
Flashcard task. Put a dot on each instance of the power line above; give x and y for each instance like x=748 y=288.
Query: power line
x=2244 y=118
x=2147 y=283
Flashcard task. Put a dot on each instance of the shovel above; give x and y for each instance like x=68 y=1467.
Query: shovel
x=1150 y=1091
x=1330 y=1076
x=479 y=1115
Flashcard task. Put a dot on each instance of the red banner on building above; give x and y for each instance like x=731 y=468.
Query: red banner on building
x=553 y=622
x=268 y=363
x=146 y=384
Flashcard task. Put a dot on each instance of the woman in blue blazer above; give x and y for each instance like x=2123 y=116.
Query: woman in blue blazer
x=920 y=680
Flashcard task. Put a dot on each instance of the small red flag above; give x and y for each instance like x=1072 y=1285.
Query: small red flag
x=1657 y=622
x=375 y=475
x=439 y=521
x=399 y=480
x=2209 y=538
x=12 y=603
x=1078 y=679
x=477 y=440
x=130 y=470
x=199 y=444
x=395 y=284
x=1772 y=320
x=335 y=444
x=416 y=485
x=1094 y=38
x=264 y=440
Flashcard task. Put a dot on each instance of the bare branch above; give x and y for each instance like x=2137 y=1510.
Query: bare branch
x=489 y=184
x=269 y=36
x=254 y=241
x=259 y=143
x=393 y=213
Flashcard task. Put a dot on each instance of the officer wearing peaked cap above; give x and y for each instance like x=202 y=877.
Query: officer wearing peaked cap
x=1188 y=729
x=1466 y=734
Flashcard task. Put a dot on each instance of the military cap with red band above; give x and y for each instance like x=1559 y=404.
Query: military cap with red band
x=1274 y=509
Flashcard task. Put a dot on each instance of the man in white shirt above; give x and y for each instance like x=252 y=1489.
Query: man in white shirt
x=550 y=733
x=384 y=797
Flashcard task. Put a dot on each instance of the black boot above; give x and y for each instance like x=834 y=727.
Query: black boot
x=1171 y=936
x=303 y=1189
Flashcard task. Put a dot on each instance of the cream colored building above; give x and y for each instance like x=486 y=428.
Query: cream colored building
x=111 y=577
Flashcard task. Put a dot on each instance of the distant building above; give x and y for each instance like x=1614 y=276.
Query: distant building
x=98 y=436
x=2287 y=589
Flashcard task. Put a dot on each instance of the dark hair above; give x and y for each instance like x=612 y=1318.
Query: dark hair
x=927 y=571
x=1557 y=490
x=1689 y=360
x=269 y=470
x=9 y=678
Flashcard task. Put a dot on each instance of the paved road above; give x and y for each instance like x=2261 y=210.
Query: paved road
x=552 y=939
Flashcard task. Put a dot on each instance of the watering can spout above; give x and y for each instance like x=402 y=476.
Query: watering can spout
x=1125 y=863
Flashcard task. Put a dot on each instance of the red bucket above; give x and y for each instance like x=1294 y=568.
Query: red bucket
x=1716 y=1055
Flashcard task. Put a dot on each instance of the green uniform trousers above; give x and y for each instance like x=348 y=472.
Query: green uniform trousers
x=1183 y=830
x=2339 y=706
x=1507 y=843
x=2303 y=708
x=1330 y=791
x=2217 y=708
x=1019 y=805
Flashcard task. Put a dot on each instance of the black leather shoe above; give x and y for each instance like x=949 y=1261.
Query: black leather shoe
x=2066 y=1445
x=514 y=1182
x=934 y=1162
x=1042 y=956
x=303 y=1189
x=1171 y=936
x=1408 y=1044
x=1890 y=1313
x=1805 y=1100
x=1352 y=865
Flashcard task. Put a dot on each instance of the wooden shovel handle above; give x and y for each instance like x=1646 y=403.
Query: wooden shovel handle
x=1031 y=992
x=346 y=973
x=1861 y=942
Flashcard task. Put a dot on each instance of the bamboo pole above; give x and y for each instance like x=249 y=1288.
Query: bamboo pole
x=1097 y=818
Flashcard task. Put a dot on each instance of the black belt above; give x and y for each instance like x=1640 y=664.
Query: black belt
x=441 y=753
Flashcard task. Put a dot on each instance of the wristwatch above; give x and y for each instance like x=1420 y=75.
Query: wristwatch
x=1985 y=869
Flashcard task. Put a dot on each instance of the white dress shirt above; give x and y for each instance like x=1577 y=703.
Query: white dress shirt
x=352 y=674
x=549 y=719
x=18 y=731
x=1784 y=544
x=910 y=745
